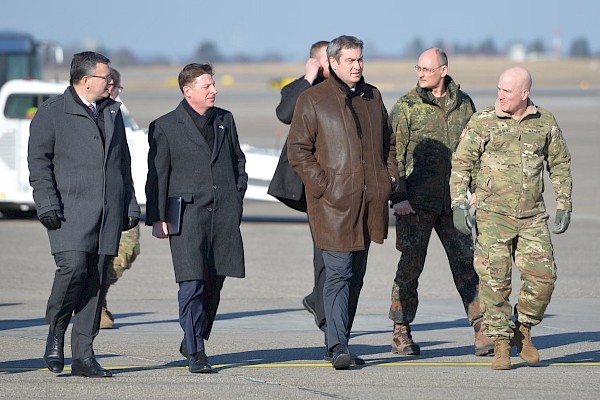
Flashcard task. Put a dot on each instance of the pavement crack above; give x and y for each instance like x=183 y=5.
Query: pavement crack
x=304 y=389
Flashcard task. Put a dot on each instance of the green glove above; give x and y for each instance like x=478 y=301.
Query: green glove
x=462 y=219
x=562 y=221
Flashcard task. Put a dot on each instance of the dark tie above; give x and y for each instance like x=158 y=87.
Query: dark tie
x=91 y=107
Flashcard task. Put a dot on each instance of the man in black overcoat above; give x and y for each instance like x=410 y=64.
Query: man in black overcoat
x=195 y=155
x=80 y=172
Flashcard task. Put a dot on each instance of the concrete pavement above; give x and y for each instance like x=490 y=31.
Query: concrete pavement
x=265 y=345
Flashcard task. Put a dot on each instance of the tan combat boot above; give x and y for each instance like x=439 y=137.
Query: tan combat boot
x=402 y=342
x=501 y=359
x=106 y=319
x=522 y=341
x=484 y=345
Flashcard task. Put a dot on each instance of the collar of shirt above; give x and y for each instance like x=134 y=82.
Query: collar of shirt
x=87 y=103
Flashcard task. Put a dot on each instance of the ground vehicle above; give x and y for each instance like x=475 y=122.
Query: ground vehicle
x=21 y=56
x=19 y=100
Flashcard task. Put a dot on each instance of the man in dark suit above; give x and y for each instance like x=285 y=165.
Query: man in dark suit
x=195 y=155
x=80 y=171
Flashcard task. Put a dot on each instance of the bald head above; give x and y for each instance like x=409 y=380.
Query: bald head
x=519 y=76
x=513 y=91
x=438 y=56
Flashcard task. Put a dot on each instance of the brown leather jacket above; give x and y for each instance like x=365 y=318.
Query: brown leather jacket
x=347 y=173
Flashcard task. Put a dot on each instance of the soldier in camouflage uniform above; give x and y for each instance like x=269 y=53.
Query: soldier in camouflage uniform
x=129 y=246
x=428 y=121
x=513 y=141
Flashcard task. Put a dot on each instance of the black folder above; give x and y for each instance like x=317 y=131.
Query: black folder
x=174 y=214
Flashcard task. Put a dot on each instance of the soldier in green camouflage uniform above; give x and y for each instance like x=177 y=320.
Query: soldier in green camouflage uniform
x=129 y=246
x=428 y=121
x=129 y=249
x=513 y=141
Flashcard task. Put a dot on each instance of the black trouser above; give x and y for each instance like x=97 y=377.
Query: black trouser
x=345 y=273
x=412 y=239
x=77 y=290
x=315 y=298
x=198 y=304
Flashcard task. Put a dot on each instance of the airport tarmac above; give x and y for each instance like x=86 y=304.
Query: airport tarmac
x=265 y=345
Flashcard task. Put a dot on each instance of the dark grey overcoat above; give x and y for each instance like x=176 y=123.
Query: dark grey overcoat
x=71 y=170
x=212 y=183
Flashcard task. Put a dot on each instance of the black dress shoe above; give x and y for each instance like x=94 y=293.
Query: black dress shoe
x=356 y=360
x=54 y=357
x=198 y=363
x=341 y=357
x=89 y=367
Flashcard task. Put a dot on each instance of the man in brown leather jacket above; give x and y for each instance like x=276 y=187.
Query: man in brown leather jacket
x=341 y=144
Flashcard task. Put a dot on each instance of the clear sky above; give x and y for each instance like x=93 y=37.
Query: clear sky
x=175 y=28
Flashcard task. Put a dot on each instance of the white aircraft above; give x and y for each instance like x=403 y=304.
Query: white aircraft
x=260 y=167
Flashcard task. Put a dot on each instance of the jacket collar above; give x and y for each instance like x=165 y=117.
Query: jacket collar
x=100 y=104
x=530 y=110
x=190 y=129
x=451 y=90
x=360 y=89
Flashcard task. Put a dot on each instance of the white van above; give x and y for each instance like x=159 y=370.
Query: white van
x=19 y=100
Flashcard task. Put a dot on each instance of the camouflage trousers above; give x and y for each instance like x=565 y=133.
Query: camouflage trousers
x=413 y=232
x=500 y=240
x=129 y=249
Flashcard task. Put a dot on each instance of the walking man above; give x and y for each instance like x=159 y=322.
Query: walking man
x=513 y=142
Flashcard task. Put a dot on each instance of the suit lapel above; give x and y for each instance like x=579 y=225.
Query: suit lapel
x=73 y=107
x=190 y=130
x=220 y=130
x=110 y=114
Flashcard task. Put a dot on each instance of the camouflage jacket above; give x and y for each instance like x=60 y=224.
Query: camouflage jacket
x=512 y=155
x=426 y=136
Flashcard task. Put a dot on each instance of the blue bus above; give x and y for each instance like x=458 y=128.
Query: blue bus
x=20 y=56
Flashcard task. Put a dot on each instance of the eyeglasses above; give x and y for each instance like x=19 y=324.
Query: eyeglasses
x=107 y=78
x=426 y=70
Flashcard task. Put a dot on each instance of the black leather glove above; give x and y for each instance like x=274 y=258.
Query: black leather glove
x=561 y=221
x=130 y=223
x=51 y=219
x=462 y=219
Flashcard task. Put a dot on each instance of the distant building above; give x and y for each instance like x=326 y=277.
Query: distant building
x=517 y=52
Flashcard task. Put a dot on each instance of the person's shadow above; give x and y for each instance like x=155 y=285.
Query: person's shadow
x=371 y=353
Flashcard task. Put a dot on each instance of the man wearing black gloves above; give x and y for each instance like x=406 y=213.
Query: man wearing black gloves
x=80 y=171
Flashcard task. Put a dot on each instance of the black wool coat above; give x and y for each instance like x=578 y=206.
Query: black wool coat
x=71 y=170
x=286 y=185
x=212 y=183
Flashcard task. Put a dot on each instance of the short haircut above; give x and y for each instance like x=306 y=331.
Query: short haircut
x=442 y=56
x=191 y=72
x=316 y=47
x=343 y=42
x=84 y=64
x=116 y=76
